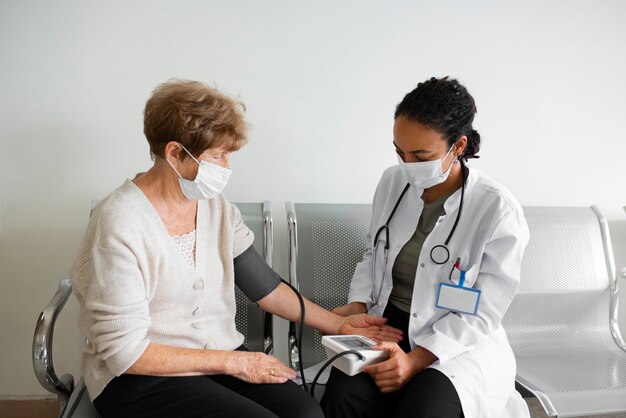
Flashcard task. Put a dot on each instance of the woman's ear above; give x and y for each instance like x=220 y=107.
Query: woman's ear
x=172 y=151
x=459 y=146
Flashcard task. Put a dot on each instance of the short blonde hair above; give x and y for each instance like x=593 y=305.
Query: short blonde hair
x=195 y=115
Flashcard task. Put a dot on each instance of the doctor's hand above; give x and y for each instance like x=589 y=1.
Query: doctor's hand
x=350 y=309
x=392 y=374
x=369 y=326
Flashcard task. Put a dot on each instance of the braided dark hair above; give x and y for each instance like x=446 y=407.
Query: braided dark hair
x=445 y=106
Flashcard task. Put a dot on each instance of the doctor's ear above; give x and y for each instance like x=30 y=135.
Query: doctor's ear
x=459 y=146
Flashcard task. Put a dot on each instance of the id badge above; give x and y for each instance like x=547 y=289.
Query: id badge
x=457 y=298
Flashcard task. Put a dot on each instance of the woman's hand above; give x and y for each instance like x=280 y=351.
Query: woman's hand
x=369 y=326
x=253 y=367
x=392 y=374
x=350 y=309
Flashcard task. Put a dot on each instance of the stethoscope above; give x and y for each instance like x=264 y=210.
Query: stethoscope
x=439 y=254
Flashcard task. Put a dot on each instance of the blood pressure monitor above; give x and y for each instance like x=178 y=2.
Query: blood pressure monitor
x=350 y=364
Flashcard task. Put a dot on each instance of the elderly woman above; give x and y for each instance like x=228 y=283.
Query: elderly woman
x=155 y=279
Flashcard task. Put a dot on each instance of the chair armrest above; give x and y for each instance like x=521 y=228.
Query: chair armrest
x=268 y=233
x=268 y=340
x=268 y=253
x=292 y=230
x=42 y=345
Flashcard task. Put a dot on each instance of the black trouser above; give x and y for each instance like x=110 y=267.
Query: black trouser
x=429 y=394
x=203 y=396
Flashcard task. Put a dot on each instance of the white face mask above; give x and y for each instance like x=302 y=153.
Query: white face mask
x=426 y=174
x=209 y=182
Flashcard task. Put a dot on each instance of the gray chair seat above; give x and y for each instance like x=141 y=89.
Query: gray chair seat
x=562 y=324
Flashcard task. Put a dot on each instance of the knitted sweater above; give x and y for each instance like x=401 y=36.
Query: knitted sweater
x=134 y=288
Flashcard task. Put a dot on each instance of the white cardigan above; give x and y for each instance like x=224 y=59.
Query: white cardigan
x=134 y=288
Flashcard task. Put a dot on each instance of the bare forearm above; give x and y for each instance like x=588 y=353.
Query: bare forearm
x=284 y=303
x=350 y=309
x=251 y=367
x=163 y=360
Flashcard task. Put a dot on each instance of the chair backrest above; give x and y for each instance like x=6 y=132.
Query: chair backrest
x=326 y=241
x=568 y=292
x=567 y=296
x=42 y=346
x=250 y=320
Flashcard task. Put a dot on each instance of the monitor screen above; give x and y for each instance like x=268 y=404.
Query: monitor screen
x=354 y=343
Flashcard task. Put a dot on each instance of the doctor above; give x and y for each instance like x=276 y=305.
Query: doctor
x=443 y=264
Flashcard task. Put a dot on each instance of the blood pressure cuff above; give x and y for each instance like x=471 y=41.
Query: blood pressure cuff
x=253 y=276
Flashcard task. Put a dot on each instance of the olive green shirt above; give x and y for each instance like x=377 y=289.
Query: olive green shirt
x=405 y=266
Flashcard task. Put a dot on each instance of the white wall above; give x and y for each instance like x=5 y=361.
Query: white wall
x=320 y=80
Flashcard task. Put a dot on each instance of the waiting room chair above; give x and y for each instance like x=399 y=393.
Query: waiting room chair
x=326 y=241
x=562 y=324
x=251 y=321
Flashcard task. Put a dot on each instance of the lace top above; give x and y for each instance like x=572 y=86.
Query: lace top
x=186 y=245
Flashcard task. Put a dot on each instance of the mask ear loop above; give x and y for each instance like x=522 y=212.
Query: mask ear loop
x=194 y=158
x=456 y=158
x=171 y=165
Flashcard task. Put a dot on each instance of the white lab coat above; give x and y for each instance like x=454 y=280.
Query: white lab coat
x=490 y=238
